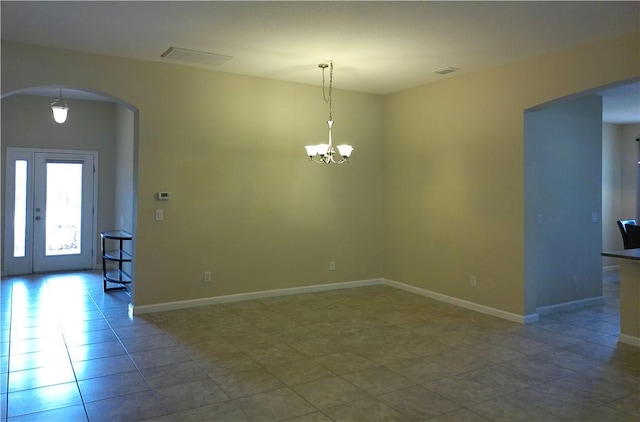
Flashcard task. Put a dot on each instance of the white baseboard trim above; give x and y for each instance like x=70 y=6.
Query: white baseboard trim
x=530 y=319
x=216 y=300
x=610 y=268
x=526 y=319
x=570 y=306
x=627 y=339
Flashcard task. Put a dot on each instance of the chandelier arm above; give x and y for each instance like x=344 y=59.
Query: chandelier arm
x=328 y=159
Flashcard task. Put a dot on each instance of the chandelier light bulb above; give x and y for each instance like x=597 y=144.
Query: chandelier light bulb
x=323 y=149
x=345 y=150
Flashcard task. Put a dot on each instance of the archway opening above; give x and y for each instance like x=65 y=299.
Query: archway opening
x=97 y=122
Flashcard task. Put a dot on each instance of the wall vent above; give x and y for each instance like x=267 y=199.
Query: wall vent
x=194 y=56
x=445 y=70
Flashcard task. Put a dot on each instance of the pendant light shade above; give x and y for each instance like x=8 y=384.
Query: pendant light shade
x=60 y=109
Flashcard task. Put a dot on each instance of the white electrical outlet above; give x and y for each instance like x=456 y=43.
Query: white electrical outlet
x=207 y=276
x=332 y=266
x=473 y=281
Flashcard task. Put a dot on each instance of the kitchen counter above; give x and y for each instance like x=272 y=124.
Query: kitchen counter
x=629 y=295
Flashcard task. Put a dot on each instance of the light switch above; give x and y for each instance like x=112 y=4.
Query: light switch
x=159 y=215
x=594 y=217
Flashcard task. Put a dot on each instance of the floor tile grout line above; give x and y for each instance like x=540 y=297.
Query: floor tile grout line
x=6 y=398
x=138 y=370
x=73 y=369
x=9 y=356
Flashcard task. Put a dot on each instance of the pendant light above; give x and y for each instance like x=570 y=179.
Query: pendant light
x=60 y=109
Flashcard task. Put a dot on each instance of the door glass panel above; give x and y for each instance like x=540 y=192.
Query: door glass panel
x=20 y=209
x=64 y=208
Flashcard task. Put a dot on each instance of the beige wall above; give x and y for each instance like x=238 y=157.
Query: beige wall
x=246 y=204
x=620 y=182
x=124 y=203
x=124 y=164
x=454 y=198
x=612 y=153
x=629 y=171
x=434 y=192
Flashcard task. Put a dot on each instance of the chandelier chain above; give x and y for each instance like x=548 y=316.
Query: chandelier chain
x=327 y=99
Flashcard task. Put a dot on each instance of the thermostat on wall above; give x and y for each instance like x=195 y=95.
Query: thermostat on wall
x=163 y=196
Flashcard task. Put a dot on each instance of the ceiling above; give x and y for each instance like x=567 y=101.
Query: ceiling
x=377 y=47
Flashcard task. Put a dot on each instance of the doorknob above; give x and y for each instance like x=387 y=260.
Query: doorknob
x=38 y=218
x=37 y=209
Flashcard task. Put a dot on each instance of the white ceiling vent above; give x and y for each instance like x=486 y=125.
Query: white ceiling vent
x=445 y=70
x=194 y=56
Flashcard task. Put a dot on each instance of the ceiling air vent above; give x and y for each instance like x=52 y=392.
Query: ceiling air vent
x=445 y=70
x=194 y=56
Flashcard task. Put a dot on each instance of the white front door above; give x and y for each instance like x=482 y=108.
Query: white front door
x=49 y=210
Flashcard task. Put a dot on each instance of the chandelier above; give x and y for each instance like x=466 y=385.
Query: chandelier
x=326 y=153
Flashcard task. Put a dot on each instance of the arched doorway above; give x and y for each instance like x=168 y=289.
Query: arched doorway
x=98 y=125
x=566 y=219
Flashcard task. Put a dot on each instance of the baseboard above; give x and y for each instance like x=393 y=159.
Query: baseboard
x=570 y=306
x=627 y=339
x=522 y=319
x=216 y=300
x=610 y=268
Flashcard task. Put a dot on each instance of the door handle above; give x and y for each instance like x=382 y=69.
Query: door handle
x=38 y=218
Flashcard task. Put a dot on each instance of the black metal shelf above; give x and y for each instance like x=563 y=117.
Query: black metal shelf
x=116 y=257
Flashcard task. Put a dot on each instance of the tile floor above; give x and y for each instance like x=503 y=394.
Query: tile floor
x=71 y=353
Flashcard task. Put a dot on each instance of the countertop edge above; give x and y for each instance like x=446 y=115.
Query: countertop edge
x=631 y=254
